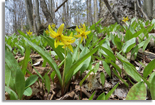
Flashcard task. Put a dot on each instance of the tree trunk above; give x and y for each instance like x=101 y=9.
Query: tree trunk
x=52 y=9
x=89 y=13
x=46 y=12
x=148 y=8
x=64 y=14
x=37 y=13
x=153 y=8
x=29 y=13
x=95 y=11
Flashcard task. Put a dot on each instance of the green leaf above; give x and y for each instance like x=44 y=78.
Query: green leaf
x=7 y=75
x=81 y=82
x=152 y=88
x=19 y=83
x=13 y=95
x=111 y=91
x=84 y=65
x=11 y=66
x=149 y=68
x=117 y=42
x=26 y=59
x=39 y=74
x=75 y=53
x=106 y=68
x=47 y=82
x=101 y=97
x=116 y=67
x=69 y=75
x=31 y=80
x=94 y=25
x=128 y=45
x=47 y=57
x=52 y=75
x=121 y=58
x=91 y=97
x=89 y=39
x=114 y=71
x=130 y=70
x=137 y=92
x=151 y=77
x=146 y=43
x=28 y=92
x=128 y=35
x=102 y=77
x=68 y=63
x=109 y=53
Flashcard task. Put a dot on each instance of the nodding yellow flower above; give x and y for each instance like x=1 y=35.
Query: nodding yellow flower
x=67 y=43
x=125 y=19
x=58 y=36
x=82 y=33
x=29 y=33
x=46 y=32
x=53 y=25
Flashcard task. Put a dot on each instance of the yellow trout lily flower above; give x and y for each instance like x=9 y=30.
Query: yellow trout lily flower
x=29 y=33
x=58 y=36
x=67 y=43
x=125 y=19
x=82 y=33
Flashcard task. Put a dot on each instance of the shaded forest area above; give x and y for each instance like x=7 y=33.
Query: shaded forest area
x=79 y=49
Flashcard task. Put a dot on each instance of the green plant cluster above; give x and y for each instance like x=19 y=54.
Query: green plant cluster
x=95 y=46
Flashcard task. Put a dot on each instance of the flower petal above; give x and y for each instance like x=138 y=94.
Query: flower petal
x=60 y=29
x=70 y=47
x=81 y=39
x=84 y=27
x=87 y=32
x=77 y=35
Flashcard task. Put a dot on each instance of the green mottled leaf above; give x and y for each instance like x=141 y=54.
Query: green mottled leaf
x=149 y=68
x=28 y=92
x=137 y=92
x=130 y=70
x=102 y=77
x=127 y=46
x=91 y=97
x=101 y=97
x=19 y=83
x=31 y=80
x=111 y=91
x=152 y=88
x=47 y=82
x=106 y=68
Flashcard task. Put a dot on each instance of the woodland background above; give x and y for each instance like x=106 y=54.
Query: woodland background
x=36 y=14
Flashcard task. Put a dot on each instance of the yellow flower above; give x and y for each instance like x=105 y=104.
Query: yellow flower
x=29 y=33
x=58 y=36
x=53 y=25
x=67 y=43
x=46 y=32
x=82 y=33
x=125 y=19
x=77 y=29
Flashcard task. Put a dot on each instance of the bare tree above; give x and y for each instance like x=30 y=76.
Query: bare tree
x=148 y=8
x=95 y=11
x=52 y=8
x=153 y=8
x=29 y=12
x=46 y=12
x=37 y=13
